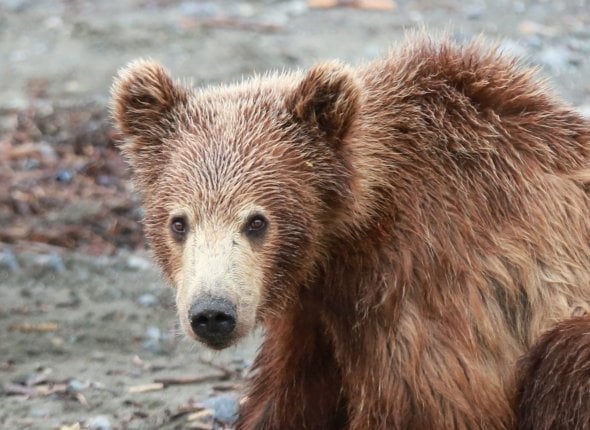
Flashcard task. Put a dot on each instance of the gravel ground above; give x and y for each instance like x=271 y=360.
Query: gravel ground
x=81 y=335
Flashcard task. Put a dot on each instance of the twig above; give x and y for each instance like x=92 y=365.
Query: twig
x=186 y=380
x=226 y=371
x=144 y=388
x=233 y=23
x=46 y=327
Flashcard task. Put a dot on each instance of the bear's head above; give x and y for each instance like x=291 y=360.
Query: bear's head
x=241 y=186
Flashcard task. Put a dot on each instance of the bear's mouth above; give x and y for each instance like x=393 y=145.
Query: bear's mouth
x=217 y=345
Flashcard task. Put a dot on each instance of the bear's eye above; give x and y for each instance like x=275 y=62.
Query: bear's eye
x=178 y=226
x=256 y=226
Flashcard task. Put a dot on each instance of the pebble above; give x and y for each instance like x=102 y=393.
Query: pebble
x=534 y=41
x=519 y=7
x=295 y=7
x=199 y=9
x=65 y=176
x=245 y=10
x=153 y=340
x=16 y=5
x=40 y=413
x=579 y=45
x=584 y=110
x=76 y=385
x=8 y=121
x=474 y=11
x=513 y=48
x=8 y=261
x=99 y=422
x=225 y=407
x=138 y=263
x=148 y=300
x=14 y=101
x=51 y=262
x=556 y=59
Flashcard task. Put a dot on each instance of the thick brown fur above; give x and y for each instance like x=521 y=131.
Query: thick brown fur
x=554 y=379
x=428 y=220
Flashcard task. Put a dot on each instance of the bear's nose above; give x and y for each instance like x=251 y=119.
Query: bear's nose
x=213 y=320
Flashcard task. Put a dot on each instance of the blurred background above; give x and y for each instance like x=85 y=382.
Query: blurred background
x=88 y=336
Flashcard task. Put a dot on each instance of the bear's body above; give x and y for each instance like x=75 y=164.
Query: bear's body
x=404 y=231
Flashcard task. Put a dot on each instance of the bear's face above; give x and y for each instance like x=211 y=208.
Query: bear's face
x=238 y=184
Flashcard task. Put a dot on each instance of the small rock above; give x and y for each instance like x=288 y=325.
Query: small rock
x=556 y=59
x=245 y=10
x=138 y=263
x=13 y=100
x=584 y=110
x=40 y=413
x=76 y=385
x=519 y=7
x=534 y=41
x=148 y=300
x=153 y=332
x=578 y=45
x=30 y=164
x=16 y=5
x=99 y=422
x=225 y=407
x=57 y=342
x=51 y=262
x=295 y=7
x=53 y=22
x=199 y=9
x=474 y=11
x=153 y=340
x=65 y=176
x=513 y=48
x=105 y=180
x=72 y=86
x=8 y=261
x=8 y=121
x=527 y=27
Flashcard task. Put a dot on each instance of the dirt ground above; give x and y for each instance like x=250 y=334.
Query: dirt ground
x=88 y=334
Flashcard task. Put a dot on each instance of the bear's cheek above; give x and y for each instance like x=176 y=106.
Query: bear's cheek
x=219 y=279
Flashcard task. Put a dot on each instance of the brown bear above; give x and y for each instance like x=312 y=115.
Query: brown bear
x=553 y=389
x=404 y=230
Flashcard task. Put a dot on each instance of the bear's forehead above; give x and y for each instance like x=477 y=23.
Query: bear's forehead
x=228 y=148
x=232 y=133
x=234 y=150
x=245 y=104
x=225 y=170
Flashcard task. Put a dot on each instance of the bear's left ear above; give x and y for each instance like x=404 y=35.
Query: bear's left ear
x=328 y=99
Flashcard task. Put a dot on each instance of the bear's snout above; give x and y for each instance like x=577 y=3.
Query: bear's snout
x=213 y=320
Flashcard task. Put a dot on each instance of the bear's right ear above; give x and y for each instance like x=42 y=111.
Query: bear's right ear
x=327 y=99
x=144 y=101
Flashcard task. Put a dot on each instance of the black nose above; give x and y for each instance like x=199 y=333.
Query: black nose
x=213 y=320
